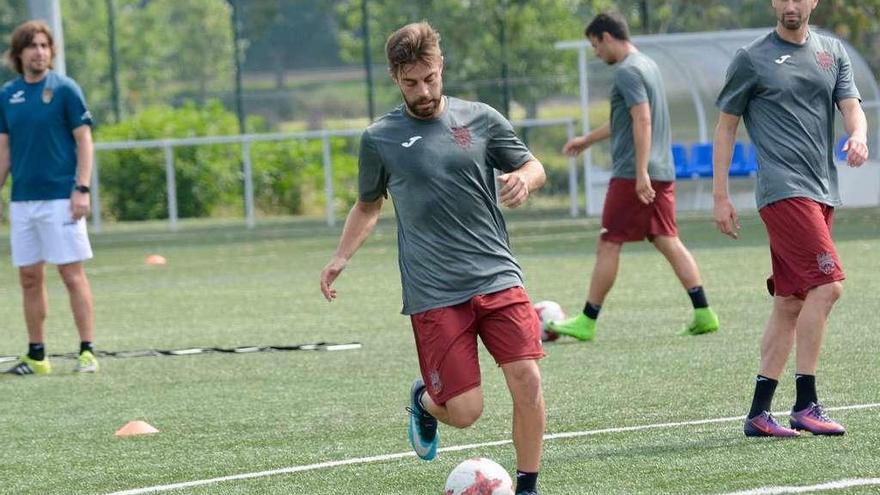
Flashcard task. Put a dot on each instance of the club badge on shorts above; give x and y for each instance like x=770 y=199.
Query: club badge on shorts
x=47 y=95
x=826 y=263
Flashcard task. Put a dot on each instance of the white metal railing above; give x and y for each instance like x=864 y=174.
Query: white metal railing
x=246 y=140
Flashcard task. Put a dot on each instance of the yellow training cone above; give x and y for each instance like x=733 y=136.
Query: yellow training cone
x=133 y=428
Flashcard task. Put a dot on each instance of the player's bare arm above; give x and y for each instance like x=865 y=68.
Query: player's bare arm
x=5 y=163
x=516 y=185
x=641 y=128
x=80 y=202
x=856 y=126
x=577 y=145
x=726 y=218
x=359 y=224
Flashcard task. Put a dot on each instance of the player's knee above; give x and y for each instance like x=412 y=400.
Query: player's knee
x=73 y=279
x=30 y=279
x=526 y=378
x=831 y=292
x=465 y=414
x=608 y=247
x=790 y=307
x=525 y=386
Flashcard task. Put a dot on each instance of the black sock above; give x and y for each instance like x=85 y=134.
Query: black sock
x=592 y=310
x=806 y=391
x=526 y=482
x=698 y=297
x=764 y=389
x=419 y=404
x=36 y=351
x=86 y=346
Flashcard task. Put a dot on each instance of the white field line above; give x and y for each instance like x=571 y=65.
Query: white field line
x=400 y=455
x=831 y=485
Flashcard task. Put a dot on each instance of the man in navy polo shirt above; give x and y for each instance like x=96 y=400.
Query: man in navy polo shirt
x=46 y=142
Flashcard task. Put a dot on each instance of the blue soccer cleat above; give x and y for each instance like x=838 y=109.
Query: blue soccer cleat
x=422 y=431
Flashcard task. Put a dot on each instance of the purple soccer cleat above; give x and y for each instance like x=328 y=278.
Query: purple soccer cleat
x=765 y=425
x=814 y=420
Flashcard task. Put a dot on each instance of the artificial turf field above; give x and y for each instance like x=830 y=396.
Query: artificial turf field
x=637 y=393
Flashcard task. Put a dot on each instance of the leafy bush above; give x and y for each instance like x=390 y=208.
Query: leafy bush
x=133 y=180
x=288 y=175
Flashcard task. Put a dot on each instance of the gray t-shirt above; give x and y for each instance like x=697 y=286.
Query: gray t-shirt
x=637 y=80
x=451 y=237
x=786 y=94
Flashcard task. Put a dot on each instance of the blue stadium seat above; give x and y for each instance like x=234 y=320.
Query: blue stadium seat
x=742 y=164
x=752 y=157
x=680 y=159
x=839 y=154
x=701 y=160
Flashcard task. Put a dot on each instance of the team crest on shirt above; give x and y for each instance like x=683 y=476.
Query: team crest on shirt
x=826 y=263
x=47 y=95
x=825 y=60
x=462 y=136
x=436 y=384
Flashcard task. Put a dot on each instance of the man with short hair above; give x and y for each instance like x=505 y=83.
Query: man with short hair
x=785 y=86
x=640 y=202
x=46 y=142
x=437 y=157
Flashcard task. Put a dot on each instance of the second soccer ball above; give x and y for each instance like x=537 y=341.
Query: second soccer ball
x=548 y=311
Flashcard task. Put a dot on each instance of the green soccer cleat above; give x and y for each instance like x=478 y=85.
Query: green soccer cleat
x=705 y=321
x=28 y=366
x=580 y=327
x=86 y=363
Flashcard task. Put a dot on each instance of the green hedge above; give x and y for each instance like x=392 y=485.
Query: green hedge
x=288 y=175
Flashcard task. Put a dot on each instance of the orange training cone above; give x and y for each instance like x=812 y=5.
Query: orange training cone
x=133 y=428
x=155 y=259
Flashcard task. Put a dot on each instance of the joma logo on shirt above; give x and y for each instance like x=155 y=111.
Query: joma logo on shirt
x=17 y=97
x=781 y=60
x=411 y=141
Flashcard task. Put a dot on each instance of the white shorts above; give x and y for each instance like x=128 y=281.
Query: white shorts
x=44 y=231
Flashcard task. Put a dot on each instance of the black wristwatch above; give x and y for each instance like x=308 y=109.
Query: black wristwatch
x=81 y=188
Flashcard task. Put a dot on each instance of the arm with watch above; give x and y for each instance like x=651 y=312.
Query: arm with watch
x=80 y=200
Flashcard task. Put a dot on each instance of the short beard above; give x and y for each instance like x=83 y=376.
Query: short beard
x=423 y=113
x=792 y=24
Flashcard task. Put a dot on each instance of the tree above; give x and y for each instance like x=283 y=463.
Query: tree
x=168 y=51
x=470 y=39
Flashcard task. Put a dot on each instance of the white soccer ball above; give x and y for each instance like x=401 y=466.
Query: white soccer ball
x=479 y=476
x=548 y=311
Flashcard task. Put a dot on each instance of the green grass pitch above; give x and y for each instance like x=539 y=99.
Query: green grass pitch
x=225 y=414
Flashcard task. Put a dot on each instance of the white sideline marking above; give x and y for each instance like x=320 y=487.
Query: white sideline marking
x=455 y=448
x=831 y=485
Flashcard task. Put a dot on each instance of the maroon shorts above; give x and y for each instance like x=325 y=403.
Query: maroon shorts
x=801 y=248
x=446 y=339
x=626 y=219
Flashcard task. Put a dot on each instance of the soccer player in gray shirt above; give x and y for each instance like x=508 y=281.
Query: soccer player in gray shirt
x=785 y=86
x=437 y=157
x=640 y=202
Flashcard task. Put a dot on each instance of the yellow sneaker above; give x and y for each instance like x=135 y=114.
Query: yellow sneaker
x=86 y=363
x=28 y=366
